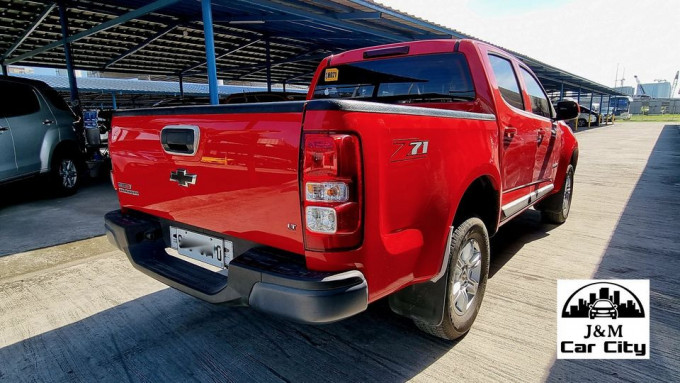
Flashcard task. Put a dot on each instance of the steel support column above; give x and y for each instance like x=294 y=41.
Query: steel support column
x=269 y=66
x=561 y=91
x=578 y=96
x=73 y=85
x=602 y=108
x=181 y=87
x=590 y=106
x=113 y=100
x=4 y=69
x=206 y=9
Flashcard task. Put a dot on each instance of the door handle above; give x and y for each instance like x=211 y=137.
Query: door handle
x=539 y=139
x=509 y=132
x=3 y=128
x=48 y=122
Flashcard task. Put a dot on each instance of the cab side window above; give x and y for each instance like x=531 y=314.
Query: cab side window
x=507 y=81
x=539 y=101
x=17 y=100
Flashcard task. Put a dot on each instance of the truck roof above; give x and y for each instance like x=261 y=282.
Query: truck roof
x=408 y=47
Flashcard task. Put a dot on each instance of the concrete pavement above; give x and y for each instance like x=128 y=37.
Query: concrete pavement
x=32 y=218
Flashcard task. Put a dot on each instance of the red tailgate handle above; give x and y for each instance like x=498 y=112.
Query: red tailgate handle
x=180 y=140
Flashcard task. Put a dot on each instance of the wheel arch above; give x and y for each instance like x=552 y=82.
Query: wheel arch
x=66 y=146
x=480 y=199
x=574 y=157
x=423 y=301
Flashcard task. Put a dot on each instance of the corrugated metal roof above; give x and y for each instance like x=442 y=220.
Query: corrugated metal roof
x=169 y=40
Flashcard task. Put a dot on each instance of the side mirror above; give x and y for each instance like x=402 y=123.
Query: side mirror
x=567 y=110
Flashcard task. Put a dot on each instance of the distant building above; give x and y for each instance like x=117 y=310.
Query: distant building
x=627 y=90
x=655 y=89
x=655 y=106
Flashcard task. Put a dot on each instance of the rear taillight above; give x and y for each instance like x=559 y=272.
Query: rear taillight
x=332 y=191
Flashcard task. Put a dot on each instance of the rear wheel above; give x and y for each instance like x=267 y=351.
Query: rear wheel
x=582 y=122
x=65 y=177
x=467 y=274
x=555 y=209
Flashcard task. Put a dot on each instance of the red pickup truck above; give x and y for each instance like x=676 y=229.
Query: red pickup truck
x=387 y=181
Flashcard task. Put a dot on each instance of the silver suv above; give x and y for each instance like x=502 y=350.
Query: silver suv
x=37 y=135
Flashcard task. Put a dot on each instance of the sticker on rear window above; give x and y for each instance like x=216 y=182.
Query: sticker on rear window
x=331 y=74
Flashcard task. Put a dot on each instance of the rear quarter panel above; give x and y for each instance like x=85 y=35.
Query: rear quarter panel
x=410 y=201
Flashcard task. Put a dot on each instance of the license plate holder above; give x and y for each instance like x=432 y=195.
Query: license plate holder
x=214 y=251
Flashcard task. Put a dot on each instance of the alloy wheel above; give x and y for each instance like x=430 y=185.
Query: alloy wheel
x=466 y=277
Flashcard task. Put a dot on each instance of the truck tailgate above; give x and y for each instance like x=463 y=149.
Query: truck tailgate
x=242 y=179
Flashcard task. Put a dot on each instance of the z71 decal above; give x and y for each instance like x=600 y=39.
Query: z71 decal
x=409 y=149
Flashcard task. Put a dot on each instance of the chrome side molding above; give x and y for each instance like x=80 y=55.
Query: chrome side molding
x=517 y=205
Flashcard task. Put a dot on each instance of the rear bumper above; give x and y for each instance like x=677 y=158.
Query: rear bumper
x=265 y=279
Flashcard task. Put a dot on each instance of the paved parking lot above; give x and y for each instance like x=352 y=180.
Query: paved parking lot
x=31 y=218
x=79 y=312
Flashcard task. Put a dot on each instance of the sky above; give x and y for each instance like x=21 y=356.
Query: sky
x=588 y=38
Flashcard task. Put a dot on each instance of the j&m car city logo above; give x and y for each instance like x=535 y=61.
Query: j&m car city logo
x=603 y=319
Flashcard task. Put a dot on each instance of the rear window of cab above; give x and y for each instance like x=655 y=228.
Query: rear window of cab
x=441 y=77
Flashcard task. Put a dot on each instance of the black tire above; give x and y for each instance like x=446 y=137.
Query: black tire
x=555 y=209
x=582 y=122
x=457 y=323
x=65 y=175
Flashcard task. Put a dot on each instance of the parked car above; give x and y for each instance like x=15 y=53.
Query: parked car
x=606 y=115
x=38 y=135
x=585 y=115
x=387 y=182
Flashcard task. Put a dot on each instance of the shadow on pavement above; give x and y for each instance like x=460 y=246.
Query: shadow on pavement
x=32 y=218
x=170 y=337
x=645 y=246
x=512 y=237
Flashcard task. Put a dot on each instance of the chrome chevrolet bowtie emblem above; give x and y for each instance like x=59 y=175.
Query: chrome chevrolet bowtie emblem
x=182 y=178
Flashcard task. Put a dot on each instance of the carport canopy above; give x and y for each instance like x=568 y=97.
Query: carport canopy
x=268 y=41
